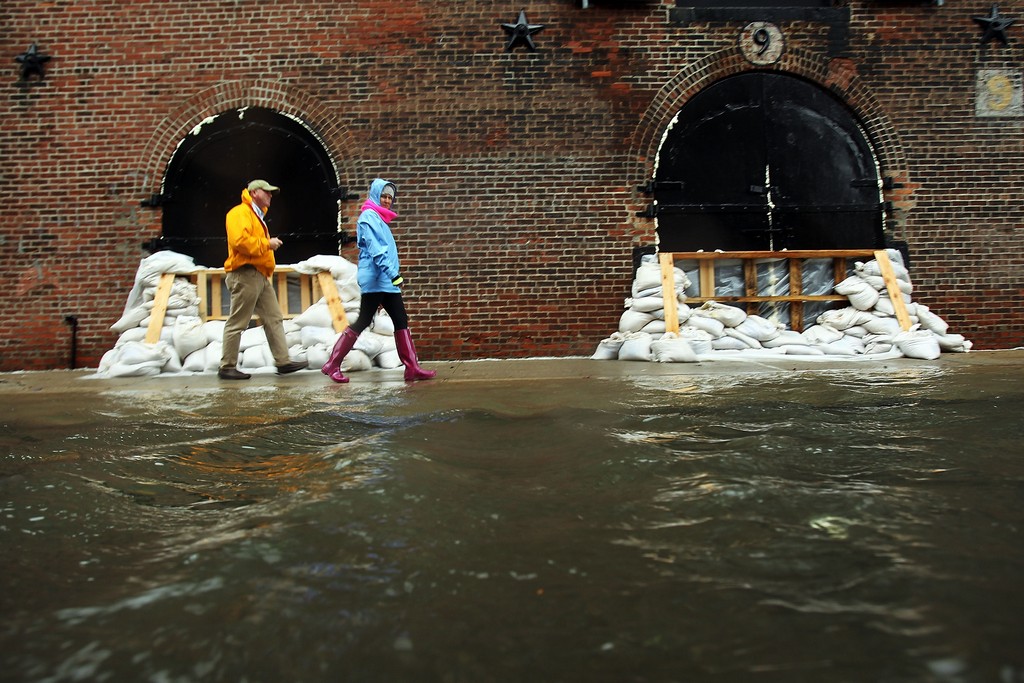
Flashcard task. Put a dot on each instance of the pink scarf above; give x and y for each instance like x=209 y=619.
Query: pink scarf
x=387 y=214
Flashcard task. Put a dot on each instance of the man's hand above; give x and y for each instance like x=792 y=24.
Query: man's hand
x=275 y=244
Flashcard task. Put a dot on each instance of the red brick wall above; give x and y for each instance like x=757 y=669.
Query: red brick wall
x=517 y=170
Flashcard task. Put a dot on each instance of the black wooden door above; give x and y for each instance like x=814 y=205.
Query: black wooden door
x=766 y=161
x=212 y=166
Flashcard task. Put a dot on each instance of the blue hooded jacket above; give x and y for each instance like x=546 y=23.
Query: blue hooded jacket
x=378 y=253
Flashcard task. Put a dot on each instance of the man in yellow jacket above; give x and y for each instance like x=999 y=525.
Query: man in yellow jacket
x=248 y=269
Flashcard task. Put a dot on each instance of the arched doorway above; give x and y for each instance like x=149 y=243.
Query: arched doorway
x=212 y=165
x=766 y=161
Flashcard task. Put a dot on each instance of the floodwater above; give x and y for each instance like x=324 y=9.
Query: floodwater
x=859 y=524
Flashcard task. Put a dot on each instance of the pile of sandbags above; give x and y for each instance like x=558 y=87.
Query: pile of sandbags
x=866 y=328
x=187 y=345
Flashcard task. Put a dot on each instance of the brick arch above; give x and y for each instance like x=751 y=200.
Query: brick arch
x=292 y=102
x=839 y=75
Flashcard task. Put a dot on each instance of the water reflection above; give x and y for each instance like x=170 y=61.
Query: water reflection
x=854 y=525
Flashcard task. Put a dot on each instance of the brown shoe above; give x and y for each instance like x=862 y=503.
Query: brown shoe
x=232 y=373
x=292 y=366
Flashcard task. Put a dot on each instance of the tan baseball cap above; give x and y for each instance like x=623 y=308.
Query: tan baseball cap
x=262 y=185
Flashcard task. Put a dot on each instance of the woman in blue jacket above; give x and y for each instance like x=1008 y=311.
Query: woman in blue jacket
x=379 y=279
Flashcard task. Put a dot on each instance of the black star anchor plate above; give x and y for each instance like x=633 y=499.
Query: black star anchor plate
x=521 y=32
x=32 y=63
x=995 y=26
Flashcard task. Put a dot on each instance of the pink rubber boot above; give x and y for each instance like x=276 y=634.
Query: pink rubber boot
x=407 y=354
x=332 y=368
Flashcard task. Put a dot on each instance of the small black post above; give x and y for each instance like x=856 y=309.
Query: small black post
x=73 y=322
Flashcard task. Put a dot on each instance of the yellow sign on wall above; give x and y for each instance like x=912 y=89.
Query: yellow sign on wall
x=999 y=93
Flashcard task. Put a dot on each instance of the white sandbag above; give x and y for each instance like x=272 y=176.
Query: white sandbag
x=862 y=295
x=348 y=291
x=183 y=293
x=148 y=275
x=636 y=346
x=130 y=319
x=356 y=361
x=878 y=283
x=680 y=281
x=214 y=351
x=297 y=354
x=920 y=344
x=884 y=305
x=858 y=331
x=672 y=349
x=851 y=284
x=138 y=359
x=822 y=334
x=881 y=325
x=786 y=338
x=608 y=349
x=106 y=360
x=844 y=318
x=633 y=321
x=683 y=312
x=166 y=333
x=253 y=336
x=646 y=304
x=930 y=321
x=872 y=268
x=730 y=316
x=648 y=279
x=839 y=347
x=256 y=357
x=759 y=328
x=383 y=324
x=651 y=291
x=171 y=313
x=654 y=328
x=338 y=267
x=801 y=350
x=187 y=335
x=388 y=360
x=316 y=355
x=195 y=361
x=716 y=328
x=317 y=315
x=879 y=346
x=699 y=340
x=308 y=336
x=370 y=343
x=135 y=334
x=749 y=341
x=173 y=364
x=727 y=343
x=138 y=370
x=214 y=330
x=953 y=342
x=648 y=276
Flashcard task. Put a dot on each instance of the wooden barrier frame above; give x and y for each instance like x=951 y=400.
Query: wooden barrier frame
x=707 y=259
x=311 y=289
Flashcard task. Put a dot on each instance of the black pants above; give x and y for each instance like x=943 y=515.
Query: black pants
x=371 y=301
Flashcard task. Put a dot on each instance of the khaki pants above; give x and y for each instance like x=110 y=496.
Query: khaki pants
x=252 y=293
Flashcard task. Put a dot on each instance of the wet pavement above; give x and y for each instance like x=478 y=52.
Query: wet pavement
x=511 y=520
x=463 y=374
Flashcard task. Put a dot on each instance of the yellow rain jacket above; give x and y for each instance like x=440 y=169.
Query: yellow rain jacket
x=248 y=239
